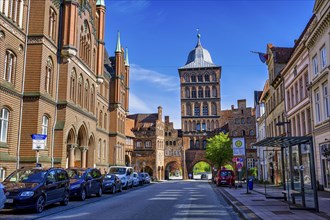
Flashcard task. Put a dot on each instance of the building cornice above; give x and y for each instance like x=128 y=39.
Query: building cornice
x=42 y=39
x=64 y=104
x=10 y=89
x=317 y=29
x=14 y=29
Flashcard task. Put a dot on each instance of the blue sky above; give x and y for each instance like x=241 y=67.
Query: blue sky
x=160 y=34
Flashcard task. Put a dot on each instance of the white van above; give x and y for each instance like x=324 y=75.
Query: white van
x=125 y=174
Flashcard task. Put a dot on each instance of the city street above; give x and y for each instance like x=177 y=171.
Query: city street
x=193 y=199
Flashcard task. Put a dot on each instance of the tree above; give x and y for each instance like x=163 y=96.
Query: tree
x=218 y=149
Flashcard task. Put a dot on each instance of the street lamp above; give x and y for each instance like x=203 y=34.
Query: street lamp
x=184 y=161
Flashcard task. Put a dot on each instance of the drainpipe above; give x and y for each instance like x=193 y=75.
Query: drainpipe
x=22 y=86
x=59 y=40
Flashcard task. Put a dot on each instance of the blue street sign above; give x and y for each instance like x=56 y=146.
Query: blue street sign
x=241 y=159
x=39 y=136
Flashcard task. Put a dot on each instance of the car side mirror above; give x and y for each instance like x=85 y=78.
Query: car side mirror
x=49 y=182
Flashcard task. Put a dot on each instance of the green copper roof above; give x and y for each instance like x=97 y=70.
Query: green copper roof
x=126 y=57
x=118 y=47
x=100 y=3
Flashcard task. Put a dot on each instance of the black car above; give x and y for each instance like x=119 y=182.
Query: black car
x=204 y=176
x=85 y=182
x=111 y=183
x=36 y=187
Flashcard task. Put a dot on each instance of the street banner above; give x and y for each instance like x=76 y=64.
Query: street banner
x=238 y=146
x=38 y=141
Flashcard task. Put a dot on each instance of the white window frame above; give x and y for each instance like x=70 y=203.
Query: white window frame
x=315 y=65
x=44 y=127
x=326 y=100
x=4 y=122
x=138 y=144
x=317 y=106
x=99 y=150
x=323 y=53
x=147 y=144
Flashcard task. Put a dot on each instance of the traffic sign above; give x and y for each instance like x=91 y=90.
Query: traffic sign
x=38 y=141
x=239 y=165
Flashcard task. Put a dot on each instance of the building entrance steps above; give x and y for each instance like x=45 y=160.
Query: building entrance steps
x=255 y=205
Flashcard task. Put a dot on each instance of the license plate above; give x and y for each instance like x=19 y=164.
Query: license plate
x=9 y=200
x=223 y=181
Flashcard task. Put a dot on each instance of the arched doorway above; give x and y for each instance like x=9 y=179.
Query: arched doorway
x=71 y=145
x=173 y=170
x=200 y=168
x=90 y=152
x=127 y=160
x=80 y=152
x=148 y=170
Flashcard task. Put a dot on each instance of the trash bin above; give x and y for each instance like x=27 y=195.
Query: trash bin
x=250 y=184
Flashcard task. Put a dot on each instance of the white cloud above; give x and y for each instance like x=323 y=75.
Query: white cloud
x=168 y=83
x=137 y=105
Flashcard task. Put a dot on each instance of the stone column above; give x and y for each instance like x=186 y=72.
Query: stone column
x=83 y=156
x=71 y=148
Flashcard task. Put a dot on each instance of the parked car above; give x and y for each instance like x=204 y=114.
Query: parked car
x=225 y=177
x=112 y=183
x=36 y=187
x=2 y=196
x=124 y=173
x=142 y=178
x=85 y=182
x=147 y=178
x=136 y=179
x=203 y=176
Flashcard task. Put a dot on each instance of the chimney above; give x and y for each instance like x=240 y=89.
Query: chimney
x=160 y=113
x=232 y=107
x=167 y=119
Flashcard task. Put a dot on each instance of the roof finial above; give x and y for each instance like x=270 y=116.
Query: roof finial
x=126 y=58
x=199 y=38
x=118 y=47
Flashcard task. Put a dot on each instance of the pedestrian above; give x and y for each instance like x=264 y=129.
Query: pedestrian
x=189 y=175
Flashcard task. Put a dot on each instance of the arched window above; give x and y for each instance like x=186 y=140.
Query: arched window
x=52 y=24
x=197 y=144
x=200 y=78
x=104 y=150
x=86 y=94
x=237 y=121
x=242 y=120
x=213 y=77
x=85 y=43
x=192 y=144
x=99 y=150
x=189 y=126
x=187 y=92
x=193 y=92
x=193 y=78
x=243 y=132
x=13 y=9
x=248 y=120
x=185 y=126
x=105 y=121
x=214 y=109
x=205 y=109
x=207 y=92
x=186 y=78
x=207 y=78
x=80 y=91
x=216 y=124
x=214 y=91
x=44 y=126
x=251 y=132
x=204 y=144
x=212 y=125
x=49 y=75
x=73 y=85
x=234 y=133
x=100 y=118
x=92 y=98
x=10 y=66
x=4 y=118
x=200 y=92
x=197 y=110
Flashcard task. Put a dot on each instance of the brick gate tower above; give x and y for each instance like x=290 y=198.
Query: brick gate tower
x=200 y=104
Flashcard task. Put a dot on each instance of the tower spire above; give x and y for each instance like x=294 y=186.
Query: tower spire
x=126 y=57
x=199 y=38
x=118 y=47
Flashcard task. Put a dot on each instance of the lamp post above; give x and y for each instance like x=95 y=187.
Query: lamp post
x=183 y=162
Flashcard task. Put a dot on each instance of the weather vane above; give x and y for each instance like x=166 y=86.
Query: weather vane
x=198 y=34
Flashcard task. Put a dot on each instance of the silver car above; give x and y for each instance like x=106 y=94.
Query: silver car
x=2 y=196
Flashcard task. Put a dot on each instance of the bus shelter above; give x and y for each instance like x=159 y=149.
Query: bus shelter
x=298 y=174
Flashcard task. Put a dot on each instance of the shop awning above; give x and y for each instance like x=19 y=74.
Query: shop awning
x=283 y=141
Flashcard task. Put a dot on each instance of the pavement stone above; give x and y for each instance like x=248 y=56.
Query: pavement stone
x=256 y=206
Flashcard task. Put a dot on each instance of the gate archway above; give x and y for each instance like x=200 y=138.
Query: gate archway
x=173 y=170
x=202 y=167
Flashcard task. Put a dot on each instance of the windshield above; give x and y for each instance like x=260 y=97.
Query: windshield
x=109 y=177
x=76 y=174
x=225 y=173
x=141 y=174
x=27 y=176
x=117 y=170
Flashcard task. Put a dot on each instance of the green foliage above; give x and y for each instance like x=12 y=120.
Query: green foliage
x=201 y=167
x=218 y=150
x=229 y=167
x=253 y=171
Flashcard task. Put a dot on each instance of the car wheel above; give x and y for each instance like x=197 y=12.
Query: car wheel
x=113 y=189
x=83 y=195
x=121 y=188
x=40 y=204
x=99 y=194
x=66 y=198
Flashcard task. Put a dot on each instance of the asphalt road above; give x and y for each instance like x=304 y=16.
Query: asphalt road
x=166 y=200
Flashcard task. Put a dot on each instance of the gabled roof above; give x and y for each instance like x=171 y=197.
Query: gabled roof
x=281 y=54
x=144 y=120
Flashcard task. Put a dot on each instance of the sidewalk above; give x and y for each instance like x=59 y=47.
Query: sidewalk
x=256 y=206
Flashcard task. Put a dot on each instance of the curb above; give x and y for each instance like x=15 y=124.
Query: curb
x=239 y=207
